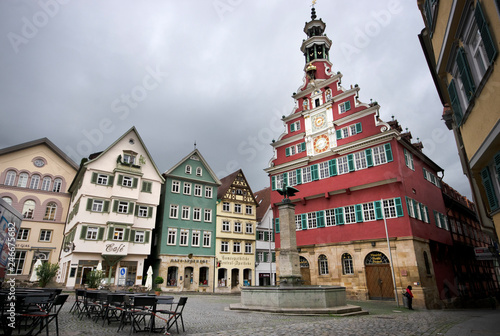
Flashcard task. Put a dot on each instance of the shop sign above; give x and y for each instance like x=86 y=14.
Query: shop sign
x=236 y=261
x=115 y=248
x=189 y=261
x=376 y=258
x=484 y=253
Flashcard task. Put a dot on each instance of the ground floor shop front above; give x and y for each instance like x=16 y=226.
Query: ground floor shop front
x=186 y=273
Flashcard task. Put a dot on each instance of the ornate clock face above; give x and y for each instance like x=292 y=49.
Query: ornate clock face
x=319 y=121
x=39 y=163
x=321 y=143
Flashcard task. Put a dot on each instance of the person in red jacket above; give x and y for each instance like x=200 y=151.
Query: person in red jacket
x=409 y=295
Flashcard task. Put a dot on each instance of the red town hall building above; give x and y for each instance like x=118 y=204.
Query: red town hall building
x=354 y=173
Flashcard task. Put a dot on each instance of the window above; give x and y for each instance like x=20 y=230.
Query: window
x=344 y=132
x=347 y=267
x=208 y=192
x=323 y=265
x=344 y=107
x=102 y=179
x=248 y=247
x=127 y=181
x=208 y=215
x=23 y=234
x=129 y=159
x=379 y=155
x=147 y=186
x=206 y=239
x=97 y=205
x=143 y=211
x=172 y=235
x=249 y=210
x=28 y=209
x=306 y=174
x=225 y=206
x=298 y=222
x=330 y=217
x=10 y=178
x=291 y=150
x=409 y=160
x=176 y=187
x=199 y=171
x=236 y=247
x=292 y=178
x=324 y=171
x=45 y=235
x=35 y=181
x=197 y=190
x=8 y=200
x=23 y=180
x=57 y=185
x=368 y=212
x=237 y=208
x=342 y=165
x=50 y=211
x=187 y=188
x=249 y=228
x=139 y=237
x=19 y=260
x=311 y=220
x=225 y=226
x=185 y=212
x=279 y=181
x=295 y=126
x=224 y=246
x=197 y=214
x=122 y=207
x=350 y=214
x=195 y=238
x=360 y=160
x=118 y=233
x=92 y=233
x=260 y=256
x=174 y=210
x=390 y=209
x=46 y=183
x=188 y=169
x=237 y=227
x=183 y=239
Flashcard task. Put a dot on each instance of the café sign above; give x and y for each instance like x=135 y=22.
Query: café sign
x=113 y=248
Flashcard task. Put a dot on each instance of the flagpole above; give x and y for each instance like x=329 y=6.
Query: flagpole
x=390 y=254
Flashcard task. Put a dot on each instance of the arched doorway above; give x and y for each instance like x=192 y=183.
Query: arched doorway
x=188 y=278
x=304 y=271
x=378 y=277
x=235 y=278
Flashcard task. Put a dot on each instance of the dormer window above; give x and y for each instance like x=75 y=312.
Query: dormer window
x=317 y=102
x=128 y=158
x=188 y=169
x=199 y=171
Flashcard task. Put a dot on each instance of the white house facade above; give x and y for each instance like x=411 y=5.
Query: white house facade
x=265 y=257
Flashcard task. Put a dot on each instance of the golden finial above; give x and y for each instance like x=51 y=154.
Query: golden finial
x=313 y=2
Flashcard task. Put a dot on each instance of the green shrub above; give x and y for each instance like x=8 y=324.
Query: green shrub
x=46 y=272
x=94 y=278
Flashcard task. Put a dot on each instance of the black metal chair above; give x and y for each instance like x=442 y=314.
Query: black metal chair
x=32 y=311
x=175 y=315
x=114 y=307
x=54 y=310
x=79 y=301
x=140 y=312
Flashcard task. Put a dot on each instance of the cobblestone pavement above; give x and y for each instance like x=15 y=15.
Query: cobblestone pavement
x=209 y=315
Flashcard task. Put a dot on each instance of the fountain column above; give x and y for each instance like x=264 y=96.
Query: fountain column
x=288 y=259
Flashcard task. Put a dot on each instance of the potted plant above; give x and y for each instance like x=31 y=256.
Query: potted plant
x=94 y=279
x=46 y=272
x=158 y=281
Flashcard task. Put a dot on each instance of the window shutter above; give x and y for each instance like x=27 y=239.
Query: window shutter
x=388 y=152
x=105 y=206
x=332 y=167
x=89 y=204
x=369 y=159
x=378 y=210
x=339 y=134
x=265 y=236
x=399 y=207
x=303 y=146
x=111 y=179
x=455 y=103
x=425 y=172
x=359 y=213
x=100 y=233
x=359 y=128
x=130 y=208
x=93 y=179
x=285 y=179
x=303 y=219
x=347 y=105
x=350 y=162
x=314 y=172
x=126 y=235
x=120 y=179
x=150 y=212
x=427 y=212
x=110 y=233
x=436 y=218
x=132 y=235
x=298 y=173
x=465 y=73
x=482 y=25
x=339 y=216
x=428 y=15
x=273 y=182
x=134 y=182
x=320 y=218
x=415 y=208
x=292 y=127
x=273 y=255
x=136 y=210
x=489 y=189
x=146 y=236
x=83 y=233
x=408 y=206
x=287 y=151
x=115 y=206
x=277 y=225
x=497 y=165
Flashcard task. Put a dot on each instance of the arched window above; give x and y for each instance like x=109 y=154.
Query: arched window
x=323 y=265
x=7 y=199
x=28 y=209
x=347 y=267
x=204 y=276
x=199 y=171
x=10 y=178
x=50 y=211
x=35 y=181
x=57 y=185
x=46 y=183
x=23 y=180
x=188 y=169
x=427 y=265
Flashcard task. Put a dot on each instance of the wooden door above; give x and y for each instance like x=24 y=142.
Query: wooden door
x=379 y=282
x=305 y=271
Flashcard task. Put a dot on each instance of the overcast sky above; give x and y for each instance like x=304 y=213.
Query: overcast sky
x=216 y=72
